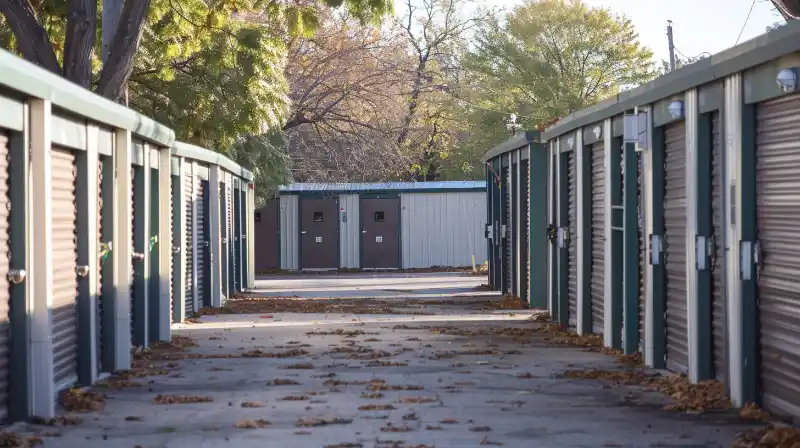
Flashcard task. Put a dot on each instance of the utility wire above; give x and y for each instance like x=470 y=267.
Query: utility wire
x=752 y=5
x=691 y=59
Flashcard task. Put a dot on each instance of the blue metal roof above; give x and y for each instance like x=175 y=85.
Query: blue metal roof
x=411 y=187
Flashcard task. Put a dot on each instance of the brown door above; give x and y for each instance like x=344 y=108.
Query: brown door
x=380 y=233
x=267 y=236
x=319 y=233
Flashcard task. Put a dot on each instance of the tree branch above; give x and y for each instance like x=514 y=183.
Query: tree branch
x=81 y=30
x=32 y=39
x=119 y=65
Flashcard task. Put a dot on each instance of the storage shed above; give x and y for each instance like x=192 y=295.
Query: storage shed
x=516 y=213
x=398 y=225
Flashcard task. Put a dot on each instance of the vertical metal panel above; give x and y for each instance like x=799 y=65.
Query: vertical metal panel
x=552 y=220
x=229 y=236
x=640 y=192
x=188 y=195
x=65 y=325
x=598 y=159
x=100 y=262
x=513 y=195
x=525 y=189
x=693 y=320
x=505 y=247
x=675 y=236
x=717 y=292
x=442 y=229
x=778 y=212
x=5 y=324
x=289 y=228
x=201 y=248
x=349 y=231
x=572 y=191
x=518 y=267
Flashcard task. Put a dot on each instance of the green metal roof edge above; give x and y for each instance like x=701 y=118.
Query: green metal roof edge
x=764 y=48
x=190 y=151
x=31 y=80
x=516 y=142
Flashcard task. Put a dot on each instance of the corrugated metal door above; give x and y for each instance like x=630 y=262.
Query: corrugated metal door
x=675 y=262
x=99 y=264
x=189 y=204
x=199 y=196
x=717 y=295
x=573 y=236
x=525 y=206
x=778 y=214
x=4 y=267
x=506 y=191
x=65 y=282
x=598 y=235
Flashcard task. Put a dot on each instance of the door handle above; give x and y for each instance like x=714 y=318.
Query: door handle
x=363 y=231
x=303 y=232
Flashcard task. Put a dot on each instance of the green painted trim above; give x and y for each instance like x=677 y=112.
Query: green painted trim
x=617 y=244
x=177 y=256
x=630 y=249
x=516 y=142
x=13 y=116
x=489 y=220
x=139 y=315
x=389 y=195
x=33 y=81
x=563 y=252
x=205 y=186
x=105 y=141
x=704 y=175
x=749 y=228
x=86 y=306
x=199 y=154
x=617 y=126
x=108 y=355
x=759 y=82
x=552 y=195
x=68 y=132
x=658 y=286
x=585 y=230
x=497 y=212
x=237 y=230
x=764 y=48
x=710 y=96
x=137 y=153
x=515 y=267
x=19 y=381
x=538 y=167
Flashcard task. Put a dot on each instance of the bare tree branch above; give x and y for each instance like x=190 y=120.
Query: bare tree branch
x=81 y=34
x=32 y=39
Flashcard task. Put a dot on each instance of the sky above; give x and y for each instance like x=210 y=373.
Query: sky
x=697 y=25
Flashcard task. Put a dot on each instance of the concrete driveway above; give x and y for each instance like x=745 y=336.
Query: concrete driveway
x=456 y=371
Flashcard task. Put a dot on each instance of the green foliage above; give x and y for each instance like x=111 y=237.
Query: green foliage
x=267 y=156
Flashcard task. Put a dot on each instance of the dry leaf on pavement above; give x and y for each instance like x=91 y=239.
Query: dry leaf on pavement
x=253 y=424
x=181 y=399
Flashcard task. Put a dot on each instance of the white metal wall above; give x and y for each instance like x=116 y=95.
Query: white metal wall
x=349 y=231
x=442 y=229
x=289 y=225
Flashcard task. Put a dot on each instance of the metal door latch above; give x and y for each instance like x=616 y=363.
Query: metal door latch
x=701 y=253
x=176 y=250
x=82 y=271
x=16 y=276
x=136 y=256
x=656 y=248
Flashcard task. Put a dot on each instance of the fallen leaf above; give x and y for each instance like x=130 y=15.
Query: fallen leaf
x=376 y=407
x=391 y=428
x=253 y=424
x=252 y=404
x=181 y=399
x=480 y=429
x=486 y=441
x=312 y=421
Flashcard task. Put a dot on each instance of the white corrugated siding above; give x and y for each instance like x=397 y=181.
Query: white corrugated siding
x=350 y=231
x=290 y=249
x=442 y=229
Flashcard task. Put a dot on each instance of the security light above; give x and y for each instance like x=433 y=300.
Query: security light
x=676 y=109
x=570 y=142
x=597 y=131
x=787 y=79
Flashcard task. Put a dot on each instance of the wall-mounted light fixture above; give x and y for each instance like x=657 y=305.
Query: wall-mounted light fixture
x=597 y=130
x=676 y=109
x=787 y=79
x=570 y=142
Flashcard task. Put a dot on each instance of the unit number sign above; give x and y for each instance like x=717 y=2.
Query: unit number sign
x=378 y=239
x=318 y=239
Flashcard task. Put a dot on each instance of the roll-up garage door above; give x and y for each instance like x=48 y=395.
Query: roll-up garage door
x=717 y=296
x=65 y=282
x=778 y=214
x=572 y=248
x=675 y=236
x=506 y=201
x=189 y=204
x=598 y=235
x=525 y=207
x=4 y=267
x=199 y=195
x=642 y=248
x=99 y=335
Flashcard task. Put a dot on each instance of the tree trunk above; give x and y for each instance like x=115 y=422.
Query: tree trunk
x=32 y=39
x=81 y=30
x=119 y=65
x=112 y=9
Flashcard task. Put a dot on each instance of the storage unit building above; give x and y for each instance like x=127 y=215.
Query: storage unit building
x=516 y=217
x=398 y=225
x=676 y=216
x=126 y=235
